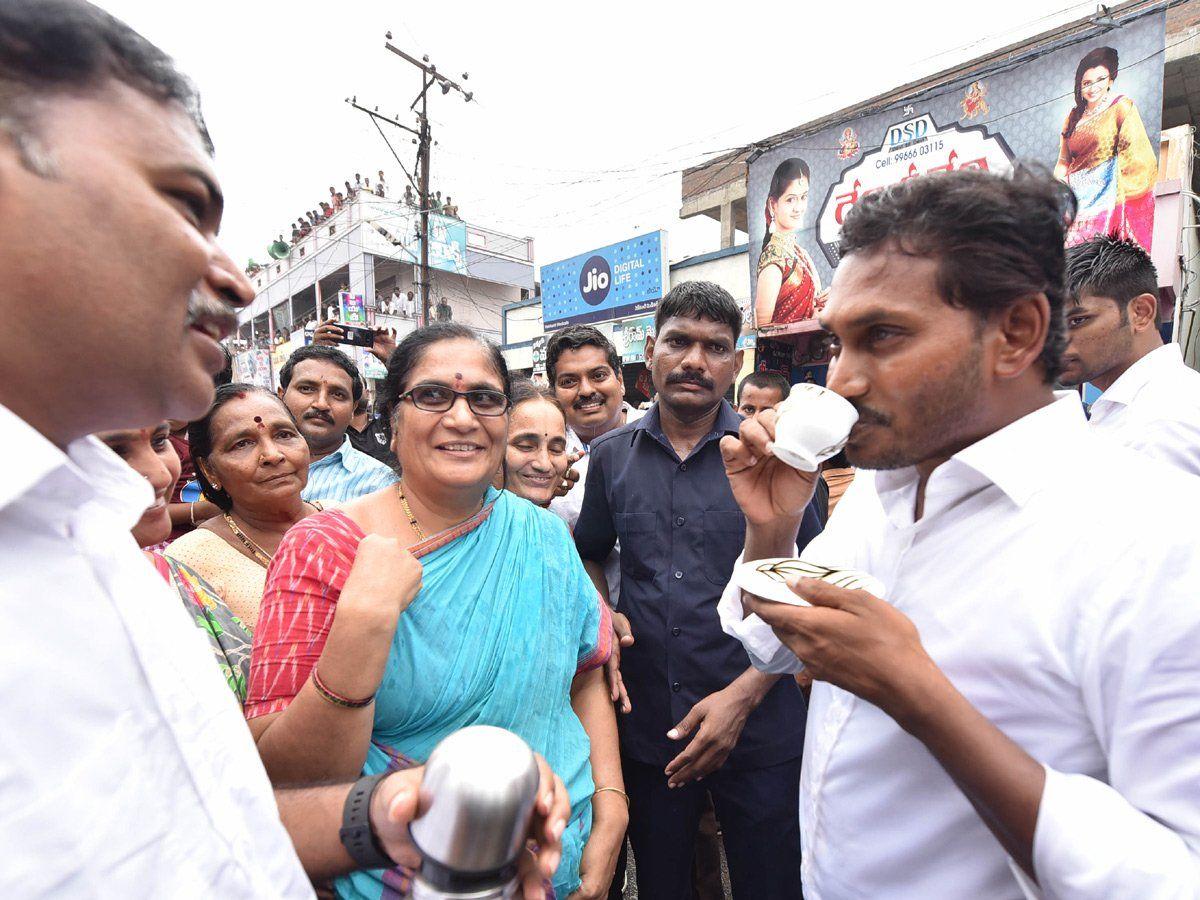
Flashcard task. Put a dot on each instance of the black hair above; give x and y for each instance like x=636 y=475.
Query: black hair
x=408 y=354
x=996 y=239
x=699 y=300
x=1101 y=56
x=200 y=439
x=785 y=173
x=56 y=47
x=768 y=380
x=1112 y=267
x=226 y=374
x=523 y=390
x=576 y=337
x=325 y=354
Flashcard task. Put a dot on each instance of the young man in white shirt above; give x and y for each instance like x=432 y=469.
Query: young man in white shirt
x=584 y=371
x=126 y=768
x=1151 y=398
x=1018 y=716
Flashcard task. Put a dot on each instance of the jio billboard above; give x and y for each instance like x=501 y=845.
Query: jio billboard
x=622 y=279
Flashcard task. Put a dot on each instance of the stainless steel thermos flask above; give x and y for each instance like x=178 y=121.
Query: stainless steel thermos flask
x=480 y=784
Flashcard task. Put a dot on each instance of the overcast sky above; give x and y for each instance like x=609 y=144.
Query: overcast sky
x=586 y=112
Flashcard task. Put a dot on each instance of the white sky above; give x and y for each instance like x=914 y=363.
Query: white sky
x=586 y=112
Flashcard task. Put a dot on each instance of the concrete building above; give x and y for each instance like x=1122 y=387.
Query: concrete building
x=370 y=248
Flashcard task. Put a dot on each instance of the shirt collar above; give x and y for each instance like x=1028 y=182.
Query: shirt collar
x=575 y=443
x=345 y=454
x=728 y=422
x=1126 y=388
x=1012 y=458
x=87 y=471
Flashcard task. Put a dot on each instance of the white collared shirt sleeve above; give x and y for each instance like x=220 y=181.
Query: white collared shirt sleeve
x=1175 y=442
x=1139 y=835
x=767 y=653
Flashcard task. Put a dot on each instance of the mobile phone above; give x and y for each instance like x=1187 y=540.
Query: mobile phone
x=359 y=337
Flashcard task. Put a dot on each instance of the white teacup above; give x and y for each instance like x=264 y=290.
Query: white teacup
x=813 y=424
x=767 y=578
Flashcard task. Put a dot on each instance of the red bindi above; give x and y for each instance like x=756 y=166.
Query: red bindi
x=259 y=422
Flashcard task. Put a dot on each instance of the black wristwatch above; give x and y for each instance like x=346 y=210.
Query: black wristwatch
x=357 y=836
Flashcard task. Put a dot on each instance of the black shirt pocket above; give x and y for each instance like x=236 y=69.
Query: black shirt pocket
x=641 y=545
x=724 y=538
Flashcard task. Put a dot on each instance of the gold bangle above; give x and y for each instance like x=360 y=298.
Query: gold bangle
x=192 y=512
x=615 y=791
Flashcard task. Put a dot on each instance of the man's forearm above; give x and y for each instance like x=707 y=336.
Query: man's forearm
x=1002 y=781
x=753 y=685
x=775 y=539
x=312 y=817
x=595 y=572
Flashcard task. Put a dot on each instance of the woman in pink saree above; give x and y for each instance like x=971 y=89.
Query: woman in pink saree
x=1106 y=157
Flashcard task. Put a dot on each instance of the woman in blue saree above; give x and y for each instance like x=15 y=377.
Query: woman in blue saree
x=436 y=604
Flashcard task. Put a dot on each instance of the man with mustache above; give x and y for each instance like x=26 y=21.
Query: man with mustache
x=699 y=711
x=321 y=386
x=584 y=370
x=126 y=768
x=1017 y=716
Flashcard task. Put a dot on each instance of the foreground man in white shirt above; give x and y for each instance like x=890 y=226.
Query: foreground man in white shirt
x=126 y=769
x=1020 y=714
x=1151 y=398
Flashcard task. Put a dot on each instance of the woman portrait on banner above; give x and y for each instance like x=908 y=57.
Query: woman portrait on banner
x=788 y=288
x=1106 y=156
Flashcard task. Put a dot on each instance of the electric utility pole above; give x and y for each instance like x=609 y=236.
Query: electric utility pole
x=430 y=76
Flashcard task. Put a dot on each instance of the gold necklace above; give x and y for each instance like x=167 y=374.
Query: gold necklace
x=412 y=520
x=261 y=556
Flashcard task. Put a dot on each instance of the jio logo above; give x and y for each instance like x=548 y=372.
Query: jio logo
x=594 y=280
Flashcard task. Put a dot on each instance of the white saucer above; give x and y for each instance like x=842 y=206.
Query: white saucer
x=767 y=578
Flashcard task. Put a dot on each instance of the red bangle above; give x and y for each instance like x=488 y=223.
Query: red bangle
x=337 y=699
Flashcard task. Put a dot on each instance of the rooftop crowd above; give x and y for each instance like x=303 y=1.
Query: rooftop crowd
x=222 y=696
x=327 y=209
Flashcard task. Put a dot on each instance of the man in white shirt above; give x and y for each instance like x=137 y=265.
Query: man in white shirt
x=584 y=371
x=1033 y=670
x=1151 y=398
x=125 y=766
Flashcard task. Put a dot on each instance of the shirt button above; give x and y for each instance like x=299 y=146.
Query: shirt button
x=683 y=467
x=679 y=520
x=675 y=632
x=678 y=574
x=675 y=687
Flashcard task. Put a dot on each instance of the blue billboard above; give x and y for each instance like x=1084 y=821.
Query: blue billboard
x=618 y=280
x=447 y=244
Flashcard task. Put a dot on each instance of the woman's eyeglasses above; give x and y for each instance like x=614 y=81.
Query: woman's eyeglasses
x=438 y=398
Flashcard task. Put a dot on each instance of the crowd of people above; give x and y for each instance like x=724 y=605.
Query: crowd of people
x=1015 y=716
x=325 y=210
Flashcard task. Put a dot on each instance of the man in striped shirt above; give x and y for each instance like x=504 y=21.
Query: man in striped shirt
x=321 y=386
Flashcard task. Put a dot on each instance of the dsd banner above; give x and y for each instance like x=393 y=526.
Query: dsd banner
x=1088 y=109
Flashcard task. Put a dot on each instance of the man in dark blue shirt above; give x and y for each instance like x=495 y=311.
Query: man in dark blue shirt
x=700 y=711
